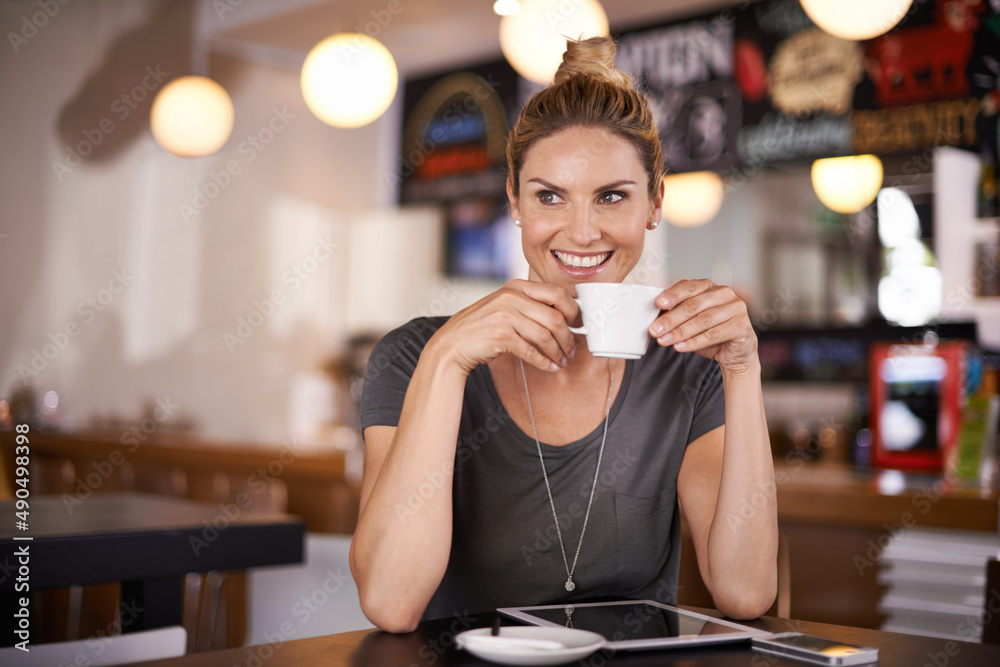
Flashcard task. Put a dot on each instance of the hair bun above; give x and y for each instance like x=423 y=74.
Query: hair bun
x=592 y=57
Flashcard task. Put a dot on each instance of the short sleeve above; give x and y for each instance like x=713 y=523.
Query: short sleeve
x=390 y=367
x=709 y=401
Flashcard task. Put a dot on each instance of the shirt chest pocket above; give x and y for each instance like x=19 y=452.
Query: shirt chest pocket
x=643 y=533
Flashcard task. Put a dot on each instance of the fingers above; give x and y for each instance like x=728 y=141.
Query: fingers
x=699 y=315
x=552 y=295
x=528 y=320
x=553 y=309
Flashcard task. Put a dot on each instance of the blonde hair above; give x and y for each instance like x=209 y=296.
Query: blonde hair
x=588 y=91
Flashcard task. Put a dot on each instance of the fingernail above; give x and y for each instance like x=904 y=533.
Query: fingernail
x=553 y=367
x=572 y=351
x=663 y=302
x=667 y=337
x=657 y=329
x=564 y=361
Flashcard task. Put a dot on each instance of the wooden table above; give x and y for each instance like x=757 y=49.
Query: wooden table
x=146 y=542
x=433 y=644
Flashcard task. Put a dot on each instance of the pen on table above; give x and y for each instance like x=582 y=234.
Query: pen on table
x=496 y=627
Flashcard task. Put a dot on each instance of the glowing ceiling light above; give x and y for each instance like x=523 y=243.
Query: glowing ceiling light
x=349 y=79
x=847 y=184
x=506 y=7
x=534 y=39
x=192 y=116
x=856 y=19
x=691 y=199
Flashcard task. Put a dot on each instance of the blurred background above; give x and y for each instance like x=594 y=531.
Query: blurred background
x=226 y=298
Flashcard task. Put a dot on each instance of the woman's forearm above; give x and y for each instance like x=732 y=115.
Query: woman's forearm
x=402 y=542
x=743 y=540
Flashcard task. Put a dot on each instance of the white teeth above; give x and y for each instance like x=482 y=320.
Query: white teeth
x=578 y=262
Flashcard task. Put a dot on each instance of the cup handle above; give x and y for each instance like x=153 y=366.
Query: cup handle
x=584 y=331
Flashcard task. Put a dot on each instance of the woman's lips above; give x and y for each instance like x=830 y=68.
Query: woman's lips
x=581 y=260
x=582 y=266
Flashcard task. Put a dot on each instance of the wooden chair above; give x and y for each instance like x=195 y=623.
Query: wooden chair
x=215 y=602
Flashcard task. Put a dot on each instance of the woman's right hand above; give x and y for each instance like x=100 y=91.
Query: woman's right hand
x=525 y=318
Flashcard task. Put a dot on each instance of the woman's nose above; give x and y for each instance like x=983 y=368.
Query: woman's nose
x=583 y=229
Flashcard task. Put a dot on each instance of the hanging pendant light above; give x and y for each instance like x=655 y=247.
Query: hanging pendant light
x=534 y=39
x=847 y=184
x=691 y=199
x=856 y=20
x=349 y=80
x=192 y=116
x=506 y=7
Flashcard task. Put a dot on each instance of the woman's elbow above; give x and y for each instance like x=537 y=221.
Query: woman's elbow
x=388 y=612
x=747 y=603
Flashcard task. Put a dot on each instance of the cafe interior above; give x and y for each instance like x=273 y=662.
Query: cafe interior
x=214 y=210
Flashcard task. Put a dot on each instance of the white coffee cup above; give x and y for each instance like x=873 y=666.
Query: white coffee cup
x=616 y=318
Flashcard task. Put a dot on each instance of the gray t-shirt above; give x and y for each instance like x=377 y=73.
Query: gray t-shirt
x=505 y=550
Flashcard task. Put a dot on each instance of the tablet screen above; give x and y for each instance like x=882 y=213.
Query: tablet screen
x=636 y=623
x=631 y=621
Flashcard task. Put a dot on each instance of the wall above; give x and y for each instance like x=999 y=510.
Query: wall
x=167 y=286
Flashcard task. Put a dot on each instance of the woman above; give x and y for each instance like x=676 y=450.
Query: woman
x=506 y=465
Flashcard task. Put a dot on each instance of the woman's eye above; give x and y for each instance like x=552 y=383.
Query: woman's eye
x=548 y=197
x=611 y=197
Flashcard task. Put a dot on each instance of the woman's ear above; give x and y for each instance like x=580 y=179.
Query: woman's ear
x=515 y=211
x=656 y=208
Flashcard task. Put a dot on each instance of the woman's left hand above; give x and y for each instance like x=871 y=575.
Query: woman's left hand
x=709 y=319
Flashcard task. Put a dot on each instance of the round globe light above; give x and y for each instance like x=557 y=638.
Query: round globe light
x=506 y=7
x=691 y=199
x=534 y=39
x=856 y=19
x=349 y=80
x=847 y=184
x=192 y=116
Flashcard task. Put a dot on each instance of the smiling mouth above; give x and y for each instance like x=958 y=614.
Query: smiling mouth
x=582 y=261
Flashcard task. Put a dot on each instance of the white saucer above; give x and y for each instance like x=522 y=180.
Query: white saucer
x=578 y=643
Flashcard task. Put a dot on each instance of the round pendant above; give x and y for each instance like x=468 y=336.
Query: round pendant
x=570 y=586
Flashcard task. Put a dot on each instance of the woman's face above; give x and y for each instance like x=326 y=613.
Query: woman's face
x=584 y=206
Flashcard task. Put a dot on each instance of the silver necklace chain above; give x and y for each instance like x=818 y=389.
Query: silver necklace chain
x=570 y=584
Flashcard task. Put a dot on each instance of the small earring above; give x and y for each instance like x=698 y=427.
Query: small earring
x=517 y=222
x=653 y=225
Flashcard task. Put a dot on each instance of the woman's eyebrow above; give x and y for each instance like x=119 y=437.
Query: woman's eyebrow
x=546 y=184
x=602 y=188
x=616 y=184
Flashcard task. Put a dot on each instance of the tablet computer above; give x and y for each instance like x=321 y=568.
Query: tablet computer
x=637 y=624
